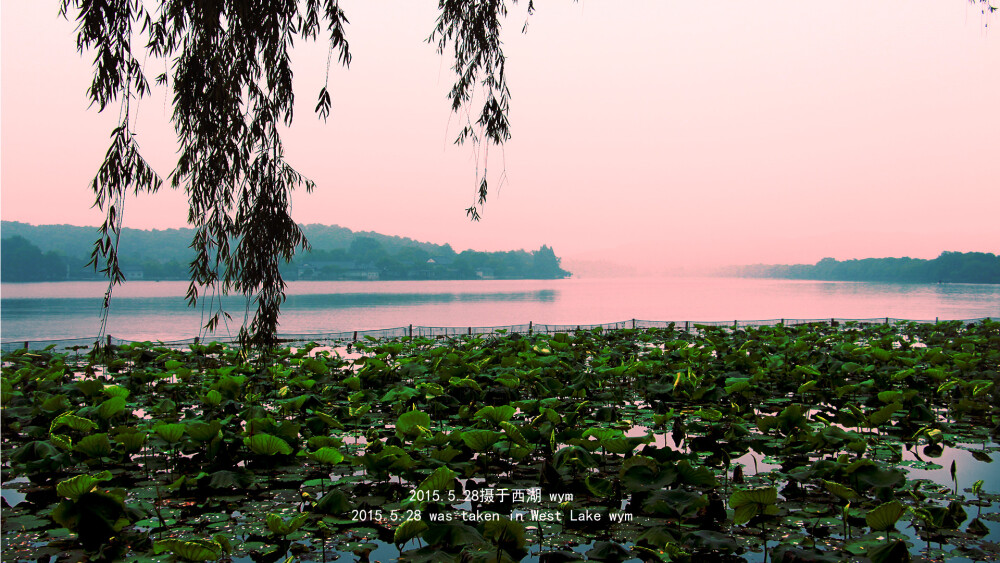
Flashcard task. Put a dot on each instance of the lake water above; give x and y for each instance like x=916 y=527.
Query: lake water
x=157 y=310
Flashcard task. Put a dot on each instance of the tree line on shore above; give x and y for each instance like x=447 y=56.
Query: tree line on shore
x=949 y=267
x=61 y=252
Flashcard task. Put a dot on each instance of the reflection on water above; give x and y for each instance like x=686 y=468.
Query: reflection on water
x=158 y=311
x=348 y=300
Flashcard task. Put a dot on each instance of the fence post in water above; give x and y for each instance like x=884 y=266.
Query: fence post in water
x=633 y=323
x=887 y=320
x=25 y=344
x=686 y=326
x=833 y=322
x=109 y=342
x=355 y=336
x=782 y=322
x=411 y=330
x=530 y=327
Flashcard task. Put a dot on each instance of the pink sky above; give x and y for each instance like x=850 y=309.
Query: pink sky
x=650 y=133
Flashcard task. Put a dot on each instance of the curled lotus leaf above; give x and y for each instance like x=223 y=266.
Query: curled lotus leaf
x=408 y=530
x=95 y=445
x=77 y=423
x=116 y=391
x=885 y=515
x=480 y=440
x=203 y=431
x=171 y=433
x=496 y=415
x=112 y=406
x=73 y=487
x=327 y=456
x=839 y=490
x=131 y=441
x=266 y=444
x=442 y=480
x=412 y=423
x=282 y=527
x=189 y=550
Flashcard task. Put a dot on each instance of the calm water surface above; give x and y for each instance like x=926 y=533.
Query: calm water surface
x=157 y=310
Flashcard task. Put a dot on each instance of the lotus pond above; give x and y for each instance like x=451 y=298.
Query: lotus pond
x=784 y=443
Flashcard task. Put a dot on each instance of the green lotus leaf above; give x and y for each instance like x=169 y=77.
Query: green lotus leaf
x=480 y=440
x=737 y=384
x=895 y=551
x=111 y=407
x=212 y=398
x=116 y=391
x=442 y=480
x=513 y=433
x=839 y=490
x=881 y=416
x=329 y=420
x=90 y=387
x=56 y=403
x=334 y=502
x=266 y=444
x=77 y=423
x=201 y=431
x=608 y=551
x=408 y=530
x=761 y=495
x=73 y=487
x=598 y=487
x=885 y=515
x=327 y=456
x=131 y=441
x=171 y=433
x=61 y=441
x=465 y=382
x=95 y=445
x=189 y=550
x=496 y=415
x=745 y=513
x=283 y=527
x=675 y=503
x=505 y=533
x=890 y=396
x=359 y=411
x=603 y=434
x=412 y=423
x=807 y=386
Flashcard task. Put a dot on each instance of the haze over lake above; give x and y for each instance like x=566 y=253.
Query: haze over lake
x=157 y=310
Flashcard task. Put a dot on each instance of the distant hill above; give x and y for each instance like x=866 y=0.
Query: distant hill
x=59 y=252
x=949 y=267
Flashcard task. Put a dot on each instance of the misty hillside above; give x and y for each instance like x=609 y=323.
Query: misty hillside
x=60 y=252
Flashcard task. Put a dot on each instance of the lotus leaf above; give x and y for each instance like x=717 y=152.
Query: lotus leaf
x=266 y=444
x=412 y=423
x=748 y=503
x=77 y=423
x=505 y=533
x=884 y=516
x=112 y=406
x=480 y=440
x=189 y=550
x=282 y=527
x=116 y=391
x=171 y=433
x=408 y=530
x=496 y=415
x=95 y=445
x=327 y=456
x=73 y=487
